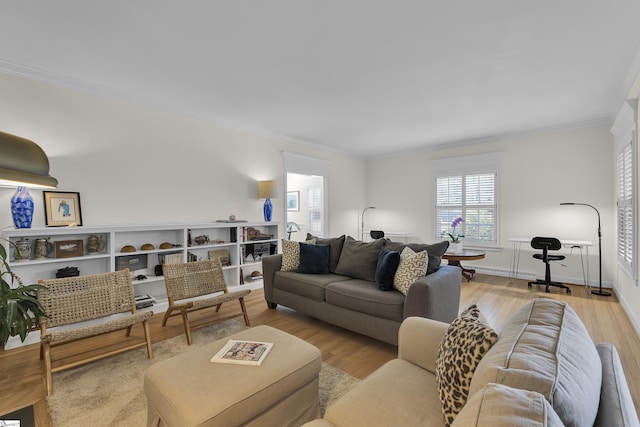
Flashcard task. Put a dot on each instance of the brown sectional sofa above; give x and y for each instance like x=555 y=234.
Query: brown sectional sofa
x=357 y=303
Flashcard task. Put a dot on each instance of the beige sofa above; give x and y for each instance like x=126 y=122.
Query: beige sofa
x=544 y=370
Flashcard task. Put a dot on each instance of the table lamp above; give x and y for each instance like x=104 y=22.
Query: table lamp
x=267 y=190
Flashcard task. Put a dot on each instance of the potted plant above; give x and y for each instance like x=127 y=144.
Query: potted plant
x=455 y=236
x=19 y=307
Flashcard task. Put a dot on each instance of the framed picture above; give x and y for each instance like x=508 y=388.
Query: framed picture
x=68 y=248
x=293 y=200
x=62 y=208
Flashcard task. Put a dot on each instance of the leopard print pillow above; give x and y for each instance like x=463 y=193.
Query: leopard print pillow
x=290 y=255
x=461 y=349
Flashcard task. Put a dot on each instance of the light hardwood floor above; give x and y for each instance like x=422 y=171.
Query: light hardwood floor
x=21 y=379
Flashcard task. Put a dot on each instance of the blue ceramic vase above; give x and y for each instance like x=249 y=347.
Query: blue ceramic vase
x=22 y=208
x=268 y=210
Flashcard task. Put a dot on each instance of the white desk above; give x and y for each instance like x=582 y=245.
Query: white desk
x=516 y=244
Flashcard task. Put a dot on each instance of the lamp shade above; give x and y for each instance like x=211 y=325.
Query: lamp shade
x=267 y=189
x=23 y=163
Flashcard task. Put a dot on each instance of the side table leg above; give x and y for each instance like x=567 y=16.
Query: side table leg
x=467 y=273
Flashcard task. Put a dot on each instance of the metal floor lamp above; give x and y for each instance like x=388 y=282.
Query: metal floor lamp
x=598 y=291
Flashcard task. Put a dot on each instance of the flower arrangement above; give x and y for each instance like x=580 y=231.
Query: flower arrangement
x=455 y=235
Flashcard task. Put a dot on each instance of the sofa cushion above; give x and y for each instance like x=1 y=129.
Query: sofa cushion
x=358 y=259
x=497 y=405
x=412 y=267
x=388 y=262
x=399 y=393
x=545 y=347
x=365 y=297
x=435 y=251
x=335 y=244
x=290 y=255
x=314 y=259
x=310 y=286
x=461 y=349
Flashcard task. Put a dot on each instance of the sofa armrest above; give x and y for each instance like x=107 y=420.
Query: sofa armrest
x=419 y=339
x=616 y=405
x=270 y=265
x=436 y=296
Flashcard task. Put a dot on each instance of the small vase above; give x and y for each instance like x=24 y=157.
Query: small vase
x=268 y=210
x=22 y=208
x=458 y=248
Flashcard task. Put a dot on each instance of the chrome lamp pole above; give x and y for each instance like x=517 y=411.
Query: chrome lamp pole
x=362 y=222
x=598 y=291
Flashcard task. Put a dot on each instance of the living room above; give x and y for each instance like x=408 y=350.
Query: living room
x=138 y=161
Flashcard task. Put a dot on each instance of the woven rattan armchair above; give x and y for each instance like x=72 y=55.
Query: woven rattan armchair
x=85 y=306
x=196 y=285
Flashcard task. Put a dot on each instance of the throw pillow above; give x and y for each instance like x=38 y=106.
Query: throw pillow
x=314 y=259
x=290 y=255
x=359 y=259
x=467 y=340
x=412 y=267
x=335 y=243
x=435 y=251
x=388 y=262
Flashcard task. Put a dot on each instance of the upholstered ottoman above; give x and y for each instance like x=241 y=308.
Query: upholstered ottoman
x=189 y=390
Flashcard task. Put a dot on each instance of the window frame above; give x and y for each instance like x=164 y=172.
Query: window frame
x=489 y=163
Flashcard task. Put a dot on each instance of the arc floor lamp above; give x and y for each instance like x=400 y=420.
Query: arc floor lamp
x=598 y=291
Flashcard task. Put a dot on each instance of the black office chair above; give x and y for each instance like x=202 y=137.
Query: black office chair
x=547 y=244
x=376 y=234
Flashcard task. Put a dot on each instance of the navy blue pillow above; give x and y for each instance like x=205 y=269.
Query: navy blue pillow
x=388 y=262
x=314 y=259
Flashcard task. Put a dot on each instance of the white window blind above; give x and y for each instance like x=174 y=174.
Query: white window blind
x=467 y=187
x=624 y=129
x=471 y=197
x=625 y=205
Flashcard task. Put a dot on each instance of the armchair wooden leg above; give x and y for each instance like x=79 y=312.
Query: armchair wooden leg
x=218 y=307
x=129 y=331
x=187 y=328
x=244 y=311
x=147 y=336
x=166 y=316
x=48 y=378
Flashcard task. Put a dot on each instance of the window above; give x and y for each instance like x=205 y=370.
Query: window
x=315 y=210
x=467 y=187
x=624 y=131
x=625 y=205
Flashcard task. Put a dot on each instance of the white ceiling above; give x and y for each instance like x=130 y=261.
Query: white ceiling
x=366 y=77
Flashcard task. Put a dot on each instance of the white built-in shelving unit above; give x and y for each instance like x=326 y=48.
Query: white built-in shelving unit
x=240 y=239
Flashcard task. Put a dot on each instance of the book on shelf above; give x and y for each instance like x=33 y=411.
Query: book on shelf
x=173 y=258
x=243 y=352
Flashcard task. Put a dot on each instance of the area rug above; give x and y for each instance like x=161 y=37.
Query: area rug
x=110 y=392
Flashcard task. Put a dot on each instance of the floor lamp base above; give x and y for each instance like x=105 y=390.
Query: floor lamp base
x=601 y=292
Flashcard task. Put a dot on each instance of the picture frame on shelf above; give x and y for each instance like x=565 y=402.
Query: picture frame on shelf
x=62 y=208
x=293 y=201
x=68 y=248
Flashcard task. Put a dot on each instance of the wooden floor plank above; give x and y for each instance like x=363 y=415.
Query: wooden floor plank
x=22 y=381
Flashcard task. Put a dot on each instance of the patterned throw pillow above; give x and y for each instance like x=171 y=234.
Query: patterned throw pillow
x=290 y=255
x=413 y=266
x=461 y=349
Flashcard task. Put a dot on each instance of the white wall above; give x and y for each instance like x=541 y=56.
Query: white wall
x=539 y=172
x=133 y=164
